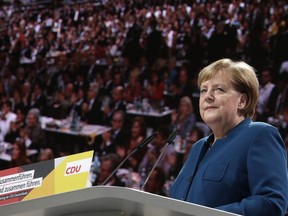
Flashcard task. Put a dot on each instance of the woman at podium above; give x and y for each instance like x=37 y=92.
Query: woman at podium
x=241 y=167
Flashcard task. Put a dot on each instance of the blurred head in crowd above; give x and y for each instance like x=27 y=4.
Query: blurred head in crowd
x=69 y=89
x=195 y=135
x=185 y=106
x=118 y=119
x=26 y=88
x=46 y=154
x=93 y=91
x=19 y=155
x=108 y=164
x=118 y=93
x=161 y=138
x=156 y=181
x=20 y=116
x=138 y=127
x=117 y=79
x=6 y=107
x=183 y=76
x=33 y=117
x=265 y=77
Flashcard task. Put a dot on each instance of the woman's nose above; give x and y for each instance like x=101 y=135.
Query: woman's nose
x=209 y=96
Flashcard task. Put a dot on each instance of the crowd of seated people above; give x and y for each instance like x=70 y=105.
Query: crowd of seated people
x=94 y=59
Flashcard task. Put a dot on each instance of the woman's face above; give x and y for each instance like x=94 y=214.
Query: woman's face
x=184 y=108
x=20 y=116
x=136 y=129
x=219 y=102
x=15 y=152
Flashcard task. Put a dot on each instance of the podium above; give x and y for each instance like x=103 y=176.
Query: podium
x=107 y=201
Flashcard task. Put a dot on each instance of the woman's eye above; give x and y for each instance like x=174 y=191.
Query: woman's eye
x=203 y=91
x=219 y=89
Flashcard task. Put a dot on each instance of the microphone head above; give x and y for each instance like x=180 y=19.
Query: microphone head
x=147 y=140
x=172 y=136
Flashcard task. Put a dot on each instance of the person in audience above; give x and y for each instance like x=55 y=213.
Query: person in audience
x=108 y=110
x=117 y=79
x=108 y=164
x=119 y=129
x=104 y=144
x=181 y=86
x=83 y=112
x=184 y=118
x=24 y=136
x=17 y=102
x=80 y=82
x=266 y=91
x=154 y=90
x=56 y=109
x=156 y=181
x=20 y=118
x=78 y=98
x=14 y=130
x=282 y=123
x=133 y=89
x=118 y=102
x=195 y=135
x=281 y=97
x=6 y=117
x=13 y=133
x=45 y=154
x=137 y=134
x=231 y=168
x=67 y=99
x=25 y=95
x=34 y=130
x=108 y=86
x=94 y=114
x=38 y=98
x=19 y=155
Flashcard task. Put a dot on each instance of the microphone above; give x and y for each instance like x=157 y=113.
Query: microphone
x=169 y=141
x=146 y=141
x=142 y=144
x=172 y=136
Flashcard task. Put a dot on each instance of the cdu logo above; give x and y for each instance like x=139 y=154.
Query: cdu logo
x=76 y=167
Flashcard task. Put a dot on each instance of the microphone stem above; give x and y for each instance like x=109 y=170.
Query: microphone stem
x=154 y=166
x=123 y=161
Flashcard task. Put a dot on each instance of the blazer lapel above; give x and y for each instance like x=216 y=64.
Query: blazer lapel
x=194 y=162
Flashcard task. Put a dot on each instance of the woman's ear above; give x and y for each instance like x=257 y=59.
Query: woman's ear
x=243 y=101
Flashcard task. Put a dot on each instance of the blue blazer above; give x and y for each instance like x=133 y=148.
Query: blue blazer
x=244 y=173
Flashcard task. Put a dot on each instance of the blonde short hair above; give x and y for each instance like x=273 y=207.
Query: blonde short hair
x=187 y=101
x=242 y=77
